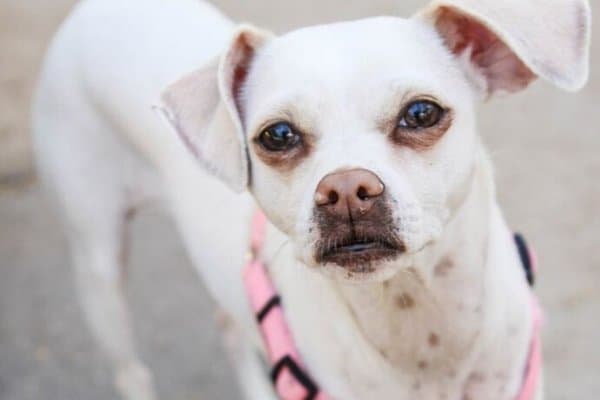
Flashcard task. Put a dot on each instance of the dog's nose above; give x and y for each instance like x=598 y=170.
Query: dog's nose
x=349 y=193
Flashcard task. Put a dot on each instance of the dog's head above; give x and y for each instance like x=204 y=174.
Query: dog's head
x=358 y=139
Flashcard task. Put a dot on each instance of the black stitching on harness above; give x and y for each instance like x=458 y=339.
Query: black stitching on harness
x=525 y=258
x=299 y=374
x=275 y=301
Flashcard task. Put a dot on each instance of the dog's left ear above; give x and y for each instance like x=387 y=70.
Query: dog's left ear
x=205 y=109
x=509 y=43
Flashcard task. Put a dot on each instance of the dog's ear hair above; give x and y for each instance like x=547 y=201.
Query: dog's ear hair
x=509 y=43
x=205 y=109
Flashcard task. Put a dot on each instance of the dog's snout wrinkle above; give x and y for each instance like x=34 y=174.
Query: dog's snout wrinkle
x=349 y=193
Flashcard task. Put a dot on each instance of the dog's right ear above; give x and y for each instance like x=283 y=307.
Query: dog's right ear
x=204 y=108
x=507 y=44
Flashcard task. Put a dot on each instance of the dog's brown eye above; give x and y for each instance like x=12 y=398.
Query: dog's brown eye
x=279 y=137
x=421 y=114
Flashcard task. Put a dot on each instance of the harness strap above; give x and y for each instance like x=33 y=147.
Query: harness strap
x=533 y=370
x=289 y=376
x=258 y=233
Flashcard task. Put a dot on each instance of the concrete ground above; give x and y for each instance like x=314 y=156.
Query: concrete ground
x=545 y=145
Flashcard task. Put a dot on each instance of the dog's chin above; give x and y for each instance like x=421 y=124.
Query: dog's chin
x=361 y=262
x=374 y=271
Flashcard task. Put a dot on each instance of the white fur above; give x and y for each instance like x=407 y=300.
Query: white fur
x=104 y=151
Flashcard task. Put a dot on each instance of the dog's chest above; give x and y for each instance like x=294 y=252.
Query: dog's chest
x=425 y=336
x=388 y=353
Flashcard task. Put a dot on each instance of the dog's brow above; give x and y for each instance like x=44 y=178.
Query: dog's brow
x=394 y=98
x=289 y=109
x=276 y=115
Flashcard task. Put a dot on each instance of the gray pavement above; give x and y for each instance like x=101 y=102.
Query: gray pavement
x=545 y=144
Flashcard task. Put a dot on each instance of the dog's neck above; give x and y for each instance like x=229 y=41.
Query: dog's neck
x=429 y=315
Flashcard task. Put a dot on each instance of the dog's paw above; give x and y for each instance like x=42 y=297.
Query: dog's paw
x=134 y=382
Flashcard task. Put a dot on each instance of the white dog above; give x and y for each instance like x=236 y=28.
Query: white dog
x=397 y=273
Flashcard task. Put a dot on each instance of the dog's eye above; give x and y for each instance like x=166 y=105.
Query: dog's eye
x=421 y=114
x=279 y=137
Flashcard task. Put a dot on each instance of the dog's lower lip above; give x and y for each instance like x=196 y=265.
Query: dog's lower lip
x=358 y=247
x=362 y=252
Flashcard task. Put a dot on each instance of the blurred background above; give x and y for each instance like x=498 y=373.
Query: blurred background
x=544 y=142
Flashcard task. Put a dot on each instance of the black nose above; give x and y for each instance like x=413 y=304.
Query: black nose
x=350 y=192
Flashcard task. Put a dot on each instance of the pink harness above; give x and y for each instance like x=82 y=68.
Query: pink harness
x=288 y=373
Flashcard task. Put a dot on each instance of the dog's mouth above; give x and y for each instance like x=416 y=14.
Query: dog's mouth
x=360 y=244
x=359 y=254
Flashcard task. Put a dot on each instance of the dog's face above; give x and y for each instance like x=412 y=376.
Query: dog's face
x=361 y=139
x=358 y=139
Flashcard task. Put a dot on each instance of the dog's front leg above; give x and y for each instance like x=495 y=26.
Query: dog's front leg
x=245 y=357
x=98 y=258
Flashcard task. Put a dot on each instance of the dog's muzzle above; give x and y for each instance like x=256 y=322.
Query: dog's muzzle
x=354 y=221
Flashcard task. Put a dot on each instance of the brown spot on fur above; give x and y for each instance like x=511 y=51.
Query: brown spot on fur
x=405 y=301
x=422 y=365
x=444 y=267
x=383 y=353
x=433 y=340
x=477 y=377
